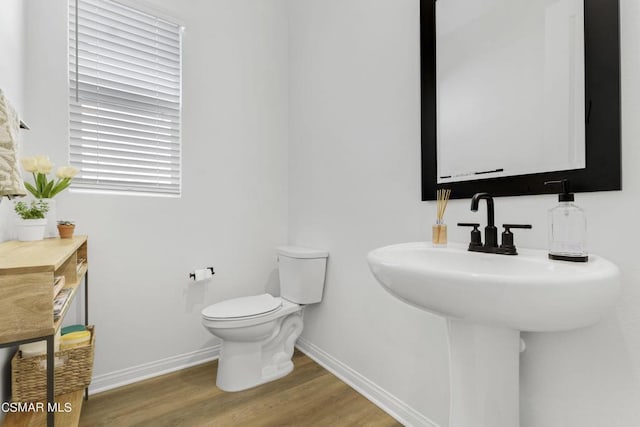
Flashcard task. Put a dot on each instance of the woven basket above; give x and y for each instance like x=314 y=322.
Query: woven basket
x=73 y=370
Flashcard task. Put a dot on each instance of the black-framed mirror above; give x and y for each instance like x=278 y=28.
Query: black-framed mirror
x=602 y=132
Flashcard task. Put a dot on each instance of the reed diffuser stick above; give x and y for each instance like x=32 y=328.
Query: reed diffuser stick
x=439 y=230
x=442 y=197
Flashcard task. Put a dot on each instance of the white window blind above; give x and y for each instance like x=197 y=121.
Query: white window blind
x=124 y=97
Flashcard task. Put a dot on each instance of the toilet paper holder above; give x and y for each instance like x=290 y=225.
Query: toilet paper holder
x=193 y=275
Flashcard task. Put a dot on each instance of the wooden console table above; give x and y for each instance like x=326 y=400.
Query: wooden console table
x=27 y=271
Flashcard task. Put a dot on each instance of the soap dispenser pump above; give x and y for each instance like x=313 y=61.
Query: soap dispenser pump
x=567 y=227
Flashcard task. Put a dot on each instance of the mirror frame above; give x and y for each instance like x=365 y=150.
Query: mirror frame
x=603 y=171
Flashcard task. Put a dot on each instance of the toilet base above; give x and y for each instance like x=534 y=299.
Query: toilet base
x=243 y=365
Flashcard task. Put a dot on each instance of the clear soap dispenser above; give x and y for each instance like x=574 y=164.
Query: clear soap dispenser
x=567 y=227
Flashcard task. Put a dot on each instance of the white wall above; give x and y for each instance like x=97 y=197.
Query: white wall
x=233 y=209
x=354 y=185
x=12 y=83
x=12 y=48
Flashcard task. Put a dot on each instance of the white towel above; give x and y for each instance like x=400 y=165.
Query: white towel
x=11 y=183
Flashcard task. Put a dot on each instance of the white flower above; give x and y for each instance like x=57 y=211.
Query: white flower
x=66 y=172
x=43 y=164
x=29 y=164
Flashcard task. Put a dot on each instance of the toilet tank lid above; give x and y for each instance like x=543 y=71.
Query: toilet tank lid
x=299 y=252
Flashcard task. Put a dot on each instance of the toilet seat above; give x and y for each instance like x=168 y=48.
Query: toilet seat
x=283 y=308
x=243 y=308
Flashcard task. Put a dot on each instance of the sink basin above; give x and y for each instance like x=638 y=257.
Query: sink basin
x=527 y=292
x=487 y=300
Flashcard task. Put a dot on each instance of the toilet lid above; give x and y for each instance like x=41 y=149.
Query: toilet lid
x=242 y=307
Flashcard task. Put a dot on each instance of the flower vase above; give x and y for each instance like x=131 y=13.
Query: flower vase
x=52 y=221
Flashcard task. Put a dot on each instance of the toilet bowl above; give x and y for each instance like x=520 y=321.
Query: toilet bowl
x=259 y=332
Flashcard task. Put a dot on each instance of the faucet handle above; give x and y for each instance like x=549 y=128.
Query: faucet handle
x=468 y=224
x=507 y=237
x=476 y=236
x=507 y=227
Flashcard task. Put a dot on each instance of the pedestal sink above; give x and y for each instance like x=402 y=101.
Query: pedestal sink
x=487 y=300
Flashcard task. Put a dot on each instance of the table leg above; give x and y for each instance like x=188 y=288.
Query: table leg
x=50 y=381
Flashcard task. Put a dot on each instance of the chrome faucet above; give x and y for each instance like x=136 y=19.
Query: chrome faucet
x=490 y=231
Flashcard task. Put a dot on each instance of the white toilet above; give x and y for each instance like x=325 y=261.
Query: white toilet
x=258 y=332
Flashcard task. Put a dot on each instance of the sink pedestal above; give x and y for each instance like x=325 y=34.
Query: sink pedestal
x=484 y=371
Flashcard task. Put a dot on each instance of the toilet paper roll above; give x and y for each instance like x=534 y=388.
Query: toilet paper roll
x=202 y=274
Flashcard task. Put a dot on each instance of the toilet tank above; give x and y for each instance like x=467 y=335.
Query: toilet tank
x=302 y=272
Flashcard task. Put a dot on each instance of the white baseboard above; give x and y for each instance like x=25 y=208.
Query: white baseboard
x=145 y=371
x=380 y=397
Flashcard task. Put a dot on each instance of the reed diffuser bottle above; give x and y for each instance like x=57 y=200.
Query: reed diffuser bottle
x=439 y=229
